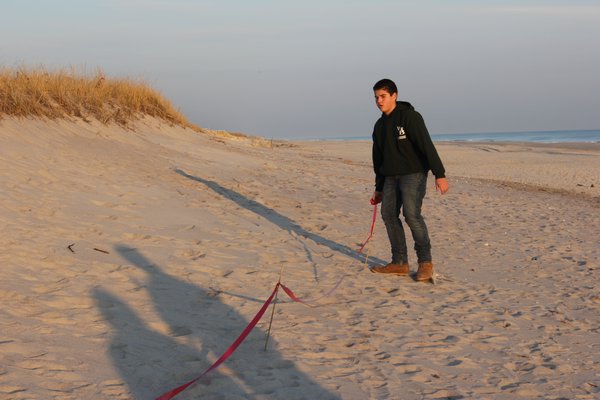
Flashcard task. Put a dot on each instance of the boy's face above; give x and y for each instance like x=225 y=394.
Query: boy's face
x=385 y=102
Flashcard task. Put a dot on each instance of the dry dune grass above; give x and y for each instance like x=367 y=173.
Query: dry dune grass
x=69 y=93
x=37 y=92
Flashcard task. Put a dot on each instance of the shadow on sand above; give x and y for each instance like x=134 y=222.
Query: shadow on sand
x=281 y=220
x=201 y=328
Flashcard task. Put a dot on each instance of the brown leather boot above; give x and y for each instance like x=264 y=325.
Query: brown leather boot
x=425 y=271
x=391 y=268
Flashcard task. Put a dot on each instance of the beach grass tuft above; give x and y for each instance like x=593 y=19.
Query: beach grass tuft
x=69 y=93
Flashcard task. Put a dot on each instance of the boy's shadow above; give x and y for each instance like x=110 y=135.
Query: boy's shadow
x=206 y=326
x=149 y=362
x=281 y=220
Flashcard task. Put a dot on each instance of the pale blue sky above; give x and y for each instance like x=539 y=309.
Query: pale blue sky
x=306 y=68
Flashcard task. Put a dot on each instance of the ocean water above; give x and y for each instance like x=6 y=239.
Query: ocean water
x=587 y=136
x=581 y=136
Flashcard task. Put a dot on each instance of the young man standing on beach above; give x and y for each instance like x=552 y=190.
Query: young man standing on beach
x=403 y=154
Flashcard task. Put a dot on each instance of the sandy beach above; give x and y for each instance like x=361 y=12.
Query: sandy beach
x=132 y=259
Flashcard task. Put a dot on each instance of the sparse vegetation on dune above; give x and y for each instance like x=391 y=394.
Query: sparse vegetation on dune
x=37 y=92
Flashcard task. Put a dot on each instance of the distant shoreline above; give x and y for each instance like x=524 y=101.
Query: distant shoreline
x=541 y=145
x=562 y=136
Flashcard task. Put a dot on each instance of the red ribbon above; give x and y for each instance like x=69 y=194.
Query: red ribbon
x=372 y=229
x=174 y=392
x=295 y=298
x=291 y=294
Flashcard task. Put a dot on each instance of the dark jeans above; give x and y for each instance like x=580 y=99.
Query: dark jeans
x=406 y=193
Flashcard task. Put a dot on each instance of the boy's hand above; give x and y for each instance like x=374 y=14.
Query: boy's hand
x=441 y=185
x=376 y=198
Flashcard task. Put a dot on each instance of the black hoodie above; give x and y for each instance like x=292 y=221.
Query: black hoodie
x=402 y=145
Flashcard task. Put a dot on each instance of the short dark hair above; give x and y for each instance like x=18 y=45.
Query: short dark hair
x=387 y=84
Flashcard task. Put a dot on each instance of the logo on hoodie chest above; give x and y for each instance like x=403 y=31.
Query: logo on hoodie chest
x=401 y=133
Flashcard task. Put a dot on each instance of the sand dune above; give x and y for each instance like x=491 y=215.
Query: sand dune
x=132 y=259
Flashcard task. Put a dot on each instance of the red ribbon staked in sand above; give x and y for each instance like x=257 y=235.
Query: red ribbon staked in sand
x=174 y=392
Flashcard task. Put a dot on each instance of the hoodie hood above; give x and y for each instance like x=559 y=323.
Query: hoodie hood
x=404 y=105
x=400 y=106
